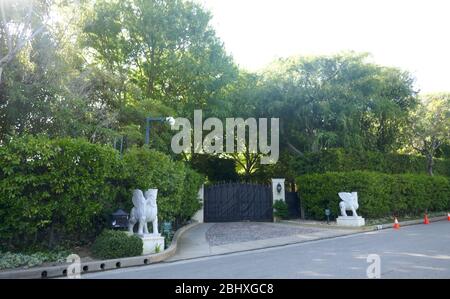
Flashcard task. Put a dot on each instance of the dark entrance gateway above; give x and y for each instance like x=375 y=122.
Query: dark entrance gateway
x=238 y=202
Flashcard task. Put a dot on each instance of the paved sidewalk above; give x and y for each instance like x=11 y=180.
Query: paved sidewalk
x=209 y=239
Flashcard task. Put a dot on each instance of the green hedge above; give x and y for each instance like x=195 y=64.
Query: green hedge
x=116 y=244
x=53 y=189
x=342 y=160
x=292 y=165
x=62 y=191
x=379 y=194
x=177 y=184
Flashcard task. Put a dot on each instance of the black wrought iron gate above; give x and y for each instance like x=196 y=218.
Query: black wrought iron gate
x=237 y=202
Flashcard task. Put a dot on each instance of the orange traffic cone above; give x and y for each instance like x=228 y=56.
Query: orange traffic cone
x=396 y=224
x=448 y=216
x=426 y=221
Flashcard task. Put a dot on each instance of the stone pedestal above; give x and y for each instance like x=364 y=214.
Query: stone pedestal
x=350 y=221
x=151 y=242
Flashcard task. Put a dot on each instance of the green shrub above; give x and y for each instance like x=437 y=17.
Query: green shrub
x=13 y=260
x=379 y=194
x=54 y=189
x=112 y=244
x=340 y=160
x=215 y=168
x=280 y=209
x=177 y=184
x=61 y=191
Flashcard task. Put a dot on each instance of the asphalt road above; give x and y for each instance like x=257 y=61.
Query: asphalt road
x=418 y=251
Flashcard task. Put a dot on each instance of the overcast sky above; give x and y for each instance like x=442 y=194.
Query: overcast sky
x=410 y=34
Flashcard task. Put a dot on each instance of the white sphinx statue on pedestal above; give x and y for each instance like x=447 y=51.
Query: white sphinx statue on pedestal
x=145 y=210
x=349 y=203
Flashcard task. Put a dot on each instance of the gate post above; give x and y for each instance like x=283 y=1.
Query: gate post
x=198 y=216
x=278 y=191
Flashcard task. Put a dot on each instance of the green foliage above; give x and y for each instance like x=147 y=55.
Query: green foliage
x=214 y=168
x=63 y=190
x=340 y=100
x=280 y=209
x=430 y=126
x=379 y=194
x=177 y=184
x=170 y=43
x=13 y=260
x=345 y=160
x=339 y=159
x=112 y=244
x=53 y=188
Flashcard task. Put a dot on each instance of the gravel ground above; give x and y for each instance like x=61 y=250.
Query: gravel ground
x=234 y=232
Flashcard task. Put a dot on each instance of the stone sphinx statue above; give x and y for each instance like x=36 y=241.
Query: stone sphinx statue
x=144 y=210
x=349 y=202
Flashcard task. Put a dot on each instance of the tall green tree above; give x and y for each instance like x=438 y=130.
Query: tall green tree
x=338 y=101
x=166 y=48
x=430 y=126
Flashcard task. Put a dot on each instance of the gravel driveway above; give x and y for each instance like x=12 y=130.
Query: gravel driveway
x=235 y=232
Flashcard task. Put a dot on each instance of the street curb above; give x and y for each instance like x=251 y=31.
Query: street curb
x=97 y=266
x=350 y=232
x=407 y=223
x=368 y=227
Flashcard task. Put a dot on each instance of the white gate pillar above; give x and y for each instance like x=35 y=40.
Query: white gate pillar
x=278 y=190
x=198 y=216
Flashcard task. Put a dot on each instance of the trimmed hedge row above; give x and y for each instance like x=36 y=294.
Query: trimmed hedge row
x=61 y=191
x=379 y=194
x=291 y=166
x=341 y=160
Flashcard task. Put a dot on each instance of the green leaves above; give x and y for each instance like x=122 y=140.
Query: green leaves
x=379 y=194
x=64 y=189
x=60 y=184
x=177 y=184
x=338 y=101
x=13 y=260
x=116 y=244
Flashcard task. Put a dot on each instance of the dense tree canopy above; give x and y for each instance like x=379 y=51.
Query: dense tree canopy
x=338 y=101
x=97 y=68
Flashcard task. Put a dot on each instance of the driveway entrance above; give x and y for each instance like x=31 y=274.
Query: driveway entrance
x=238 y=202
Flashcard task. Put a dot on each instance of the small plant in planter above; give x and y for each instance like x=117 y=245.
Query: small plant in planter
x=280 y=210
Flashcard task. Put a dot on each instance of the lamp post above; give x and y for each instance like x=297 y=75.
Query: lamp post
x=169 y=119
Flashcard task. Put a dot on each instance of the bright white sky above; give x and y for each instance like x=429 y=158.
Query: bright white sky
x=410 y=34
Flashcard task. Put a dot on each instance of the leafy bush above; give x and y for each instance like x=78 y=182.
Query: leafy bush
x=379 y=194
x=61 y=191
x=280 y=209
x=177 y=184
x=216 y=169
x=341 y=160
x=112 y=244
x=53 y=189
x=13 y=260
